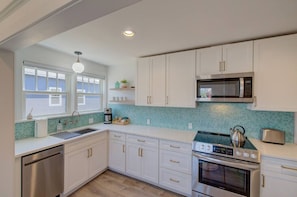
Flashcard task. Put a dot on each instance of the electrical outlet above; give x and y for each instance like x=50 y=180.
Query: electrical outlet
x=91 y=120
x=190 y=125
x=148 y=121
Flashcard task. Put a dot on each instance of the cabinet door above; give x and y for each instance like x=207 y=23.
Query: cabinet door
x=275 y=70
x=181 y=79
x=98 y=157
x=76 y=167
x=117 y=155
x=277 y=186
x=208 y=60
x=149 y=163
x=157 y=81
x=143 y=80
x=238 y=57
x=133 y=160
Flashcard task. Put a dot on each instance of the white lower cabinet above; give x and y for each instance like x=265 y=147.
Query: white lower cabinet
x=117 y=151
x=176 y=166
x=278 y=177
x=84 y=158
x=142 y=158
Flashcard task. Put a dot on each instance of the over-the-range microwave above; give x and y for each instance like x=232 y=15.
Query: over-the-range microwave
x=225 y=88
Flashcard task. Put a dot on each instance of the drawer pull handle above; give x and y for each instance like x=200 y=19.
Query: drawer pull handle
x=173 y=161
x=123 y=148
x=263 y=180
x=140 y=140
x=174 y=180
x=116 y=135
x=172 y=146
x=289 y=168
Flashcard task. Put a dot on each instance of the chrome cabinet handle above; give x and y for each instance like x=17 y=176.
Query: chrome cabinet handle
x=172 y=146
x=289 y=168
x=255 y=101
x=147 y=100
x=263 y=180
x=141 y=152
x=123 y=148
x=174 y=180
x=118 y=136
x=166 y=100
x=140 y=140
x=173 y=161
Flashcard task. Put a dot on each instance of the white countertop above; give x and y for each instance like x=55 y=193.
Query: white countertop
x=31 y=145
x=287 y=151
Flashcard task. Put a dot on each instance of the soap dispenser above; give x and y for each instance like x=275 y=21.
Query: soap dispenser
x=59 y=126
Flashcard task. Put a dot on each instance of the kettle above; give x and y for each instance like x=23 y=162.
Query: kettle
x=237 y=136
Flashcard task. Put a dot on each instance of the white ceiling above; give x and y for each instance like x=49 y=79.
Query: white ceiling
x=171 y=25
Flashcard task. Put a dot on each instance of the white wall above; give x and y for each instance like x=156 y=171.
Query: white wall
x=43 y=55
x=118 y=73
x=6 y=124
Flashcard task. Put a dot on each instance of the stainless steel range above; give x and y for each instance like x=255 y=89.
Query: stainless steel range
x=222 y=170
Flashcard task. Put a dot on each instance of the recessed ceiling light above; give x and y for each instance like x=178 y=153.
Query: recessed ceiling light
x=128 y=33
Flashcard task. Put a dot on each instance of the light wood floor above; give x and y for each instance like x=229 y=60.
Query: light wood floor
x=111 y=184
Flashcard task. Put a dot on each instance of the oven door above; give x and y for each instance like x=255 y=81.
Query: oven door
x=224 y=177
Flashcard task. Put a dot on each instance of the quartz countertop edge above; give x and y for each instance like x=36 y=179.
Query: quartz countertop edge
x=31 y=145
x=287 y=151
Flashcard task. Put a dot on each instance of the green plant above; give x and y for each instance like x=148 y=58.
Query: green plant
x=124 y=81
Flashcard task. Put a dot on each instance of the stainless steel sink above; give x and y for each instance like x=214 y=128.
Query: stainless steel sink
x=84 y=131
x=67 y=135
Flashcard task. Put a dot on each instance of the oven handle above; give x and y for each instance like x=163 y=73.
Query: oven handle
x=234 y=163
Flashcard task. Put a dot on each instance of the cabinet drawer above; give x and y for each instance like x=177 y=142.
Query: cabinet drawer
x=142 y=140
x=176 y=181
x=175 y=161
x=176 y=146
x=117 y=136
x=280 y=166
x=82 y=143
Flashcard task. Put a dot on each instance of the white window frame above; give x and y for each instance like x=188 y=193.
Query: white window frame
x=71 y=94
x=83 y=93
x=55 y=96
x=52 y=92
x=82 y=97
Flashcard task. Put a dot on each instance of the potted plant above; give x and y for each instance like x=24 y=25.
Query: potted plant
x=124 y=83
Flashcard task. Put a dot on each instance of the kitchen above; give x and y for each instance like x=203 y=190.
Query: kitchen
x=177 y=118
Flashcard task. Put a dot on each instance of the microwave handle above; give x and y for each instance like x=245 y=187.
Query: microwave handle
x=241 y=87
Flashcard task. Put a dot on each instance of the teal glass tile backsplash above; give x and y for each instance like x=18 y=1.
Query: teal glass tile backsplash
x=27 y=129
x=216 y=117
x=24 y=130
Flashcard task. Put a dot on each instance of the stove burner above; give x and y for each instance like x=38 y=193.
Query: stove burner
x=221 y=144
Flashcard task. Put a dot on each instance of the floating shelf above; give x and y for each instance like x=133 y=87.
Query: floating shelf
x=128 y=102
x=122 y=89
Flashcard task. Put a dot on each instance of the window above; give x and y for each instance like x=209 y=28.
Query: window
x=45 y=91
x=48 y=92
x=89 y=93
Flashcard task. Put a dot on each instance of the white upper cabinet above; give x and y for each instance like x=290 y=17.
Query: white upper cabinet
x=150 y=89
x=181 y=79
x=275 y=79
x=224 y=59
x=166 y=80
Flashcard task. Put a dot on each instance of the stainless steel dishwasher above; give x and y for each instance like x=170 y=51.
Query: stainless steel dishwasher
x=43 y=173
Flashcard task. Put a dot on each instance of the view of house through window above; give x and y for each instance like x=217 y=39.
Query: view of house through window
x=89 y=93
x=45 y=91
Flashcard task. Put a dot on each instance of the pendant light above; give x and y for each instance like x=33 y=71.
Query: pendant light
x=77 y=66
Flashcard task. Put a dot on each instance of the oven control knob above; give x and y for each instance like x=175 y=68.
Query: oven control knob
x=202 y=147
x=238 y=153
x=253 y=156
x=246 y=154
x=208 y=148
